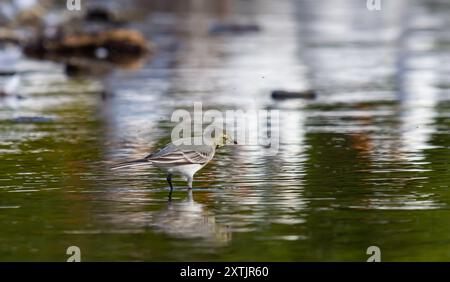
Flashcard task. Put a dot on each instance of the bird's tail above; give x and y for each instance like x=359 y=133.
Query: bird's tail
x=130 y=164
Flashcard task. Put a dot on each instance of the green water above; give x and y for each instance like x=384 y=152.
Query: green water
x=365 y=164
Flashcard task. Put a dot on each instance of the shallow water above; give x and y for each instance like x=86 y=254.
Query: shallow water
x=364 y=164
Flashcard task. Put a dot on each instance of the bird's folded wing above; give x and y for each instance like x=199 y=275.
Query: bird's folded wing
x=196 y=157
x=180 y=157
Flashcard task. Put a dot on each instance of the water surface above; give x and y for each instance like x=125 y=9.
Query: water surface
x=366 y=163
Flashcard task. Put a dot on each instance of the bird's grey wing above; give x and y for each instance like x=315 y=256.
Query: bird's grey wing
x=196 y=157
x=163 y=151
x=178 y=155
x=199 y=154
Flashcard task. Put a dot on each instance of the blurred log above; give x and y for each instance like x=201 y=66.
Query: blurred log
x=9 y=37
x=122 y=47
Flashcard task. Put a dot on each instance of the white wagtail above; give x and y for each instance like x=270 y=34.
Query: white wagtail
x=182 y=157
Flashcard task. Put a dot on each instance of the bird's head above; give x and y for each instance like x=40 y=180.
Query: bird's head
x=223 y=140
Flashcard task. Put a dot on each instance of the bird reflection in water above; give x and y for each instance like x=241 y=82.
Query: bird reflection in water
x=184 y=218
x=190 y=219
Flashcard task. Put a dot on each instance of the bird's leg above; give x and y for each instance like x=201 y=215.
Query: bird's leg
x=169 y=179
x=170 y=196
x=190 y=198
x=190 y=183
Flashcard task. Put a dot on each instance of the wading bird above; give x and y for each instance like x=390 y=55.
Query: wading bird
x=182 y=157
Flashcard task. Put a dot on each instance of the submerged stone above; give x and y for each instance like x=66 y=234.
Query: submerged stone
x=233 y=28
x=282 y=94
x=31 y=119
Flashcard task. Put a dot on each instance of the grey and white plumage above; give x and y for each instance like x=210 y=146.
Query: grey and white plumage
x=182 y=157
